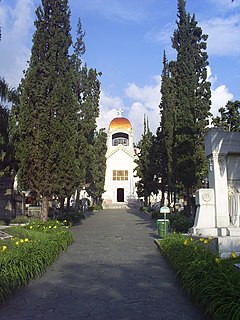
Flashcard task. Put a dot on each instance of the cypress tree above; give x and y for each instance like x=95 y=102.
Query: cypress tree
x=87 y=91
x=145 y=169
x=47 y=120
x=166 y=131
x=192 y=101
x=98 y=166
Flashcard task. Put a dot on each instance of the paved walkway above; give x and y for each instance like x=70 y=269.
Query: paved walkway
x=113 y=271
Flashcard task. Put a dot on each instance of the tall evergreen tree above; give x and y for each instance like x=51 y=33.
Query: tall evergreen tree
x=87 y=90
x=145 y=170
x=192 y=101
x=98 y=166
x=229 y=118
x=47 y=119
x=165 y=134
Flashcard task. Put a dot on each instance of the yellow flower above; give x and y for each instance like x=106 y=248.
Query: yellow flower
x=64 y=220
x=201 y=239
x=205 y=241
x=30 y=227
x=54 y=227
x=67 y=227
x=218 y=260
x=185 y=242
x=4 y=248
x=26 y=240
x=21 y=240
x=49 y=227
x=17 y=243
x=233 y=255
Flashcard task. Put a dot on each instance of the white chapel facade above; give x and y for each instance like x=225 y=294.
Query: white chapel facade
x=120 y=180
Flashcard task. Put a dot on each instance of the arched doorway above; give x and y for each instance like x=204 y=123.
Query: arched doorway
x=120 y=195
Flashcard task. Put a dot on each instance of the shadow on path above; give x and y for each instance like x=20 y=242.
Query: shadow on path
x=113 y=271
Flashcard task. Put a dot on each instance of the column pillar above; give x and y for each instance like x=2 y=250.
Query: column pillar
x=218 y=181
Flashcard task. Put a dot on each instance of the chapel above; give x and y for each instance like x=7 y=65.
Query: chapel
x=120 y=180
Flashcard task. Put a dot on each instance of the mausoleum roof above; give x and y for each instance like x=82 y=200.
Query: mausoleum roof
x=120 y=123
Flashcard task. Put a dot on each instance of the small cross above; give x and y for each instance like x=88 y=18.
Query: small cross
x=119 y=112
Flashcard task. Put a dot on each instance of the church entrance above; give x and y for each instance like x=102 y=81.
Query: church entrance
x=120 y=195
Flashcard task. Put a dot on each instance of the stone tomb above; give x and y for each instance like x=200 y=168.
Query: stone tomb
x=218 y=207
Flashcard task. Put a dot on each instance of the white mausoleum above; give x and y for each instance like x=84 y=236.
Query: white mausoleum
x=119 y=180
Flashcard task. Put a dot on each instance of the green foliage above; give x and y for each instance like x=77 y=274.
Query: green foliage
x=6 y=147
x=98 y=167
x=229 y=118
x=21 y=219
x=28 y=254
x=95 y=207
x=72 y=217
x=192 y=99
x=179 y=222
x=165 y=134
x=184 y=109
x=210 y=281
x=87 y=91
x=145 y=168
x=46 y=148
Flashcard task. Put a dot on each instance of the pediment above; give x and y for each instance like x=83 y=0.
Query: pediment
x=117 y=149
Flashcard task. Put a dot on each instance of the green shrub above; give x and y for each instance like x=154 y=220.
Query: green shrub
x=211 y=281
x=20 y=219
x=95 y=207
x=2 y=222
x=28 y=253
x=72 y=217
x=178 y=221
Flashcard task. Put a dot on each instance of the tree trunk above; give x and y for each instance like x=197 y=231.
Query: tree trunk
x=77 y=201
x=61 y=206
x=68 y=203
x=44 y=209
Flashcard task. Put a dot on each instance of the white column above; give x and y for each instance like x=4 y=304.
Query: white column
x=218 y=181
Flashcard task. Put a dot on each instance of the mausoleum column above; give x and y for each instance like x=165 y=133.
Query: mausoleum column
x=218 y=181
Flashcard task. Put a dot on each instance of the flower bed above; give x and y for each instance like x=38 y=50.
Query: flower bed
x=213 y=283
x=29 y=252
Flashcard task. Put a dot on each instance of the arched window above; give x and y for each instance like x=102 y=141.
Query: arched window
x=120 y=138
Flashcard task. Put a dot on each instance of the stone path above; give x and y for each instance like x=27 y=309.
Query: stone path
x=113 y=271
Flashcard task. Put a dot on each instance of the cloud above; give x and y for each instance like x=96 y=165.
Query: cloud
x=149 y=94
x=220 y=95
x=143 y=101
x=115 y=9
x=225 y=5
x=17 y=29
x=108 y=109
x=162 y=36
x=224 y=35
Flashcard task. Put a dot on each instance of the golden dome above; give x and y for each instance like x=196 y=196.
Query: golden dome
x=120 y=123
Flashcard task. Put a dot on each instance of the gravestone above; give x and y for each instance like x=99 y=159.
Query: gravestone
x=218 y=207
x=11 y=202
